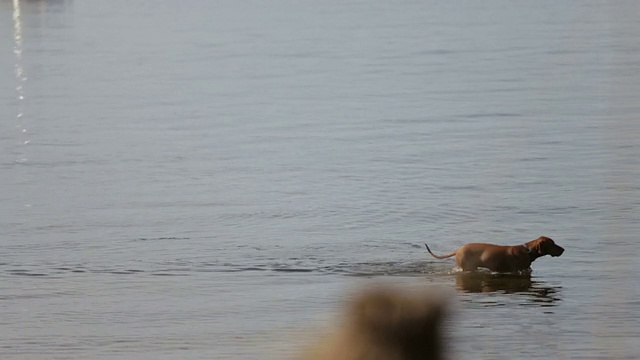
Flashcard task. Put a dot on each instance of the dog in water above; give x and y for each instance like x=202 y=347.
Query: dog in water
x=387 y=324
x=501 y=258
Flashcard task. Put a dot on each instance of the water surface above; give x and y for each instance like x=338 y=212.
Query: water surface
x=202 y=180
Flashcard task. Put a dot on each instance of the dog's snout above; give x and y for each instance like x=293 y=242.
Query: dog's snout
x=559 y=250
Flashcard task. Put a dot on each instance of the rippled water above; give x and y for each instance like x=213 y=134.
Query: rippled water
x=198 y=180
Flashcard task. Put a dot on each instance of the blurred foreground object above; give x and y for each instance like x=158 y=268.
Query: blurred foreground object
x=387 y=323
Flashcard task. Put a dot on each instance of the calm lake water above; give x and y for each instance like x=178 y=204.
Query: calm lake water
x=210 y=179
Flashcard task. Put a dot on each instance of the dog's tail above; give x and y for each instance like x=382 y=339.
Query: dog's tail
x=440 y=256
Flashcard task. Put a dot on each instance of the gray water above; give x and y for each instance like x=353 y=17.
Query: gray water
x=210 y=179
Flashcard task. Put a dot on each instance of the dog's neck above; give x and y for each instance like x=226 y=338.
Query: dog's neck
x=532 y=254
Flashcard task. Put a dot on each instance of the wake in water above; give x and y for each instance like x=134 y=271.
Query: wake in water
x=186 y=268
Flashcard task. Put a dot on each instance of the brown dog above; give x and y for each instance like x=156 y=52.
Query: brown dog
x=500 y=258
x=387 y=324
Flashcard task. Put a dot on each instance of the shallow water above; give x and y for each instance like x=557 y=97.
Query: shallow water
x=212 y=179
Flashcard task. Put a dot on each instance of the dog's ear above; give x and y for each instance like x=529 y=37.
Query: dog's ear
x=545 y=245
x=539 y=246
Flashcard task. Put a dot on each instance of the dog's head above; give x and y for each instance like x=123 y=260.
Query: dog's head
x=546 y=246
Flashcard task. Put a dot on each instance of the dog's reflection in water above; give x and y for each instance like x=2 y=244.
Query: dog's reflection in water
x=537 y=292
x=485 y=282
x=387 y=324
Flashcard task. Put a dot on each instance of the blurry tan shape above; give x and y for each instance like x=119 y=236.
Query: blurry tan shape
x=389 y=324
